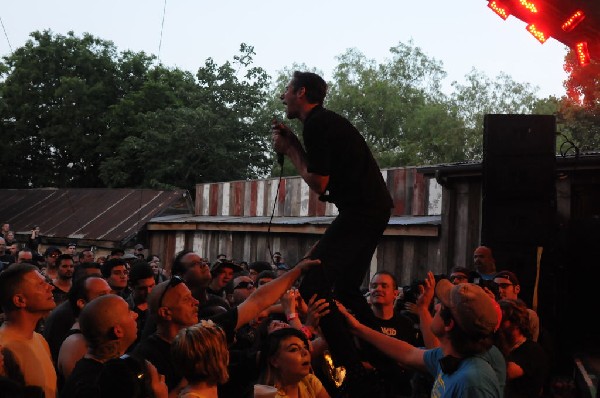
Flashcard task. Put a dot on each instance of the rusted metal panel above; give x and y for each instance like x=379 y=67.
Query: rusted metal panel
x=214 y=200
x=90 y=215
x=238 y=198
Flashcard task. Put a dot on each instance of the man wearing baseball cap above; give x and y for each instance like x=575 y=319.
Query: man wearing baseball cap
x=466 y=363
x=509 y=288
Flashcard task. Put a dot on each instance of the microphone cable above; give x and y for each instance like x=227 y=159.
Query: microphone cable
x=280 y=159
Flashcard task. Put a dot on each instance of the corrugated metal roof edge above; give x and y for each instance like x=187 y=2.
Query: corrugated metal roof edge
x=433 y=220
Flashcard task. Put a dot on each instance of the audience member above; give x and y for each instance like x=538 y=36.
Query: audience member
x=64 y=277
x=174 y=307
x=130 y=377
x=200 y=351
x=526 y=361
x=34 y=239
x=50 y=268
x=86 y=256
x=383 y=290
x=285 y=363
x=160 y=274
x=484 y=262
x=116 y=274
x=257 y=267
x=264 y=277
x=109 y=327
x=26 y=298
x=139 y=251
x=466 y=363
x=141 y=281
x=509 y=288
x=4 y=230
x=74 y=347
x=25 y=256
x=5 y=258
x=460 y=274
x=222 y=273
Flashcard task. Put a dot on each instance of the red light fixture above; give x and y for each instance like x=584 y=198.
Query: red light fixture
x=537 y=33
x=583 y=55
x=573 y=21
x=500 y=9
x=529 y=5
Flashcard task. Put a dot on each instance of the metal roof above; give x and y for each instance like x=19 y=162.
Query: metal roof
x=96 y=214
x=398 y=225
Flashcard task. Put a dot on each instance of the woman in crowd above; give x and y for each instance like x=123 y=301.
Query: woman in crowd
x=200 y=351
x=285 y=364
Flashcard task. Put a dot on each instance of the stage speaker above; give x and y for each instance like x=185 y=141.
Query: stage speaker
x=519 y=179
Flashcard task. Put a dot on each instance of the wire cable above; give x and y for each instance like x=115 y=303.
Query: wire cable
x=162 y=26
x=6 y=35
x=273 y=212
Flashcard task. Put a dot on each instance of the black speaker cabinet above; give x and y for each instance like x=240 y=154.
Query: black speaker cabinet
x=519 y=174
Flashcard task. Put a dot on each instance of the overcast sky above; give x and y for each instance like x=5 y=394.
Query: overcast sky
x=462 y=34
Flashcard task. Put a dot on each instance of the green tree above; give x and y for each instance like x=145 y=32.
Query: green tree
x=398 y=106
x=481 y=95
x=206 y=129
x=55 y=90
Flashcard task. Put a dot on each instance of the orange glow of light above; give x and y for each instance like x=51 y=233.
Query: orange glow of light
x=583 y=54
x=499 y=8
x=573 y=21
x=529 y=5
x=538 y=34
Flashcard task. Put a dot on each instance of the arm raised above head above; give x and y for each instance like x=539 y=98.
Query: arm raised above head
x=269 y=293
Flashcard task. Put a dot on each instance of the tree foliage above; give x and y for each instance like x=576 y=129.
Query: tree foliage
x=74 y=112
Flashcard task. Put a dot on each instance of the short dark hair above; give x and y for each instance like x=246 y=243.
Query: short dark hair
x=108 y=265
x=260 y=266
x=140 y=270
x=10 y=282
x=178 y=268
x=265 y=274
x=116 y=251
x=388 y=273
x=63 y=257
x=81 y=269
x=315 y=86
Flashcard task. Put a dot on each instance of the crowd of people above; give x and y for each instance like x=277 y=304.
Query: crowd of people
x=128 y=327
x=76 y=325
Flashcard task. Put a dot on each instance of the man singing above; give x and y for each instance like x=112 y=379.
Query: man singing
x=337 y=164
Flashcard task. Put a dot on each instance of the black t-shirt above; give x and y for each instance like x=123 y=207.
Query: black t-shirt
x=396 y=379
x=335 y=148
x=57 y=326
x=531 y=357
x=83 y=381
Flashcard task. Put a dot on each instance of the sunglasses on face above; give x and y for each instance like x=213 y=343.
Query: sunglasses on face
x=174 y=281
x=244 y=285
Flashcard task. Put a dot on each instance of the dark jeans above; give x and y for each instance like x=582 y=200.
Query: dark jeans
x=345 y=251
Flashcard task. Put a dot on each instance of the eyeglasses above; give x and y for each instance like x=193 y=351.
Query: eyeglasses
x=174 y=281
x=244 y=285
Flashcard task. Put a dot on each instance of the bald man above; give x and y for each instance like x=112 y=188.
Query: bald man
x=484 y=262
x=109 y=327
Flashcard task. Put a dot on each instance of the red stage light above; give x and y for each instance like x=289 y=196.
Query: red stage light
x=583 y=54
x=573 y=21
x=537 y=33
x=500 y=9
x=529 y=5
